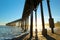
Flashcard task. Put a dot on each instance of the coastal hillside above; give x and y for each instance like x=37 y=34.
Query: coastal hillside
x=57 y=24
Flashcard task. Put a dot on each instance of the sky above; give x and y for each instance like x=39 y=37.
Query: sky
x=11 y=10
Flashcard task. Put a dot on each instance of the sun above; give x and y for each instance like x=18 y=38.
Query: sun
x=39 y=25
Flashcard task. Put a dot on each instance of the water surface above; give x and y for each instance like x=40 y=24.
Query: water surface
x=9 y=32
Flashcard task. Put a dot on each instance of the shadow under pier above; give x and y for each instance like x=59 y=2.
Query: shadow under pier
x=49 y=37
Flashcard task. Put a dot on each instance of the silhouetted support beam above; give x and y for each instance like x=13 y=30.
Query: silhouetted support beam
x=51 y=20
x=22 y=25
x=31 y=24
x=36 y=36
x=44 y=31
x=19 y=24
x=25 y=25
x=27 y=22
x=14 y=24
x=36 y=17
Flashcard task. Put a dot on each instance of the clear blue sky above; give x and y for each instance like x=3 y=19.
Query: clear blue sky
x=11 y=10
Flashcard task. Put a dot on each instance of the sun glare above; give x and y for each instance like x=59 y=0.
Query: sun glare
x=39 y=26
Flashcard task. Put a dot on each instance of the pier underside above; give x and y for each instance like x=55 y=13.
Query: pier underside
x=29 y=7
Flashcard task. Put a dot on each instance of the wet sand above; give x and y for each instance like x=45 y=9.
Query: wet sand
x=49 y=36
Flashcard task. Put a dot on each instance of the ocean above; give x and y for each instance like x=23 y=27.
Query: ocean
x=9 y=32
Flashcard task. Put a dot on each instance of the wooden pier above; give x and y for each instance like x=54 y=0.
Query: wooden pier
x=29 y=7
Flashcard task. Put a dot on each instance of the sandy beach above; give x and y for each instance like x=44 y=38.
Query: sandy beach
x=49 y=36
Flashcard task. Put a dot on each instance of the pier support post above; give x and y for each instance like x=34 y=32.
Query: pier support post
x=22 y=25
x=19 y=24
x=51 y=20
x=36 y=36
x=31 y=24
x=44 y=31
x=27 y=22
x=25 y=25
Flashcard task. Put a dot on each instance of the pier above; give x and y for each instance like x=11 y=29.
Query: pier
x=29 y=7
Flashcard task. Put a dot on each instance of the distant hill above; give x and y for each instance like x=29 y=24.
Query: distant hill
x=57 y=24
